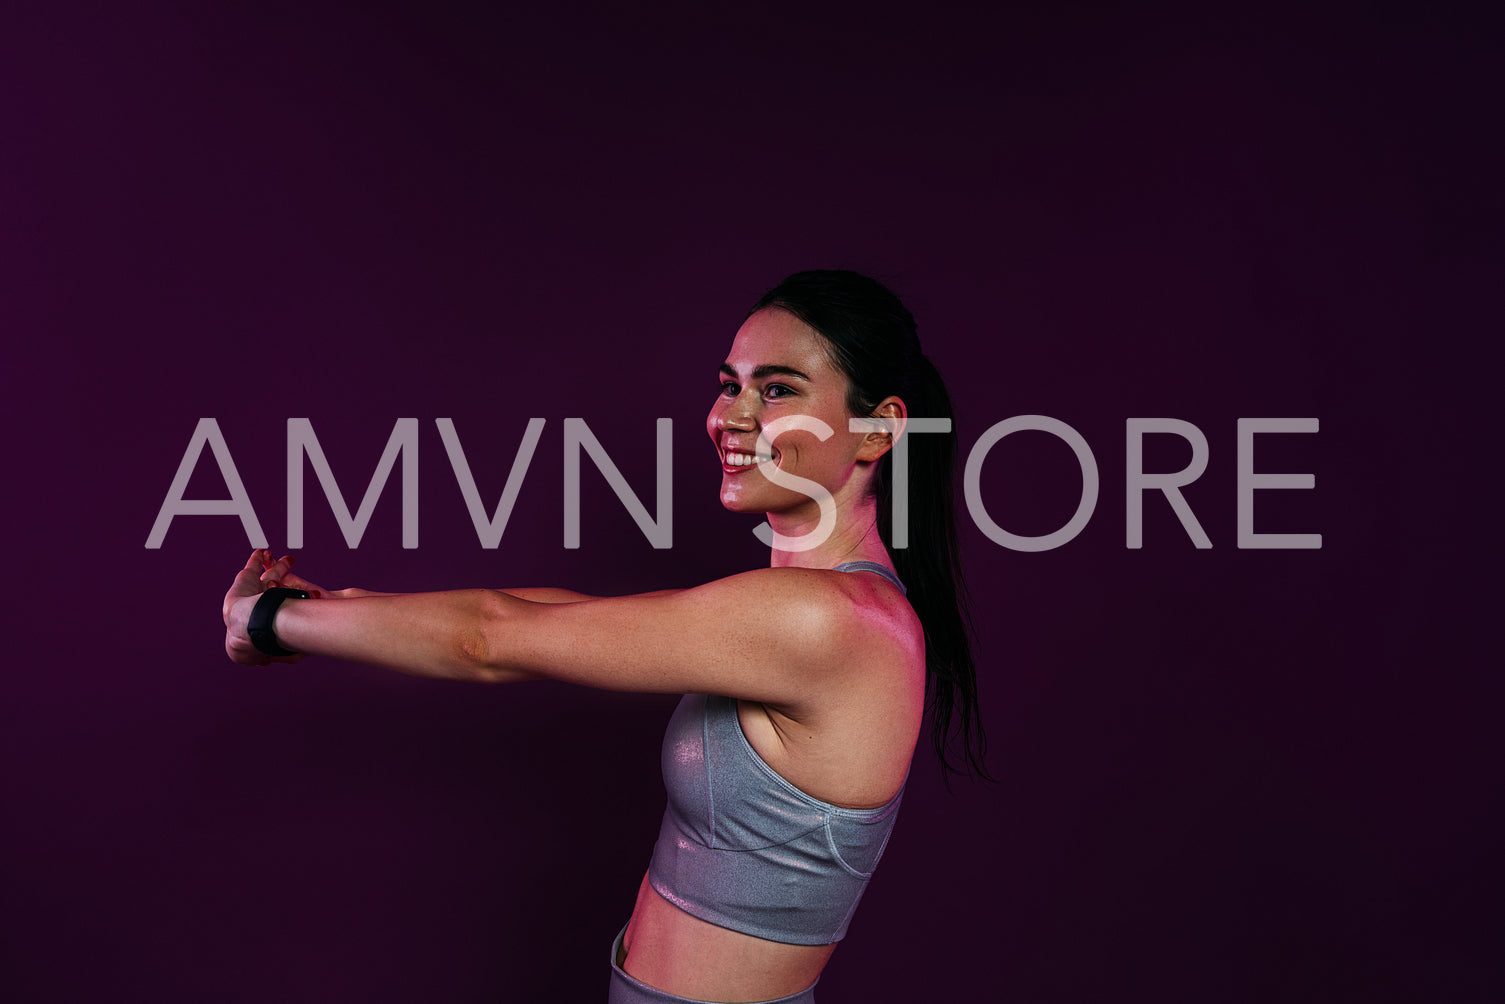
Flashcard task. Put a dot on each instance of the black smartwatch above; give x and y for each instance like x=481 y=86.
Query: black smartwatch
x=259 y=627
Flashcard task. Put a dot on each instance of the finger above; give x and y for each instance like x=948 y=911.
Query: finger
x=278 y=569
x=245 y=582
x=252 y=571
x=299 y=582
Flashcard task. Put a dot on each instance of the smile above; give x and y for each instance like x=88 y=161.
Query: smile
x=738 y=460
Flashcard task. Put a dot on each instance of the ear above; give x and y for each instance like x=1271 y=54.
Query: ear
x=886 y=424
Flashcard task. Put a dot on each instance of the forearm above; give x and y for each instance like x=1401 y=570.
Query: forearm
x=425 y=634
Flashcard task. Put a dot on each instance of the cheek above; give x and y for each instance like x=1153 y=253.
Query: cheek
x=813 y=452
x=794 y=447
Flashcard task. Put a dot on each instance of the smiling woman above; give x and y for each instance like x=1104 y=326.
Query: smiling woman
x=779 y=370
x=786 y=762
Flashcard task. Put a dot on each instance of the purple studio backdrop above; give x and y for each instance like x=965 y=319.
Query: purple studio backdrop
x=1224 y=774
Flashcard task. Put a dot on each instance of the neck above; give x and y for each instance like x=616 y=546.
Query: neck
x=854 y=539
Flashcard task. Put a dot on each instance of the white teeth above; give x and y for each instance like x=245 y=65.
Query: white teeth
x=744 y=459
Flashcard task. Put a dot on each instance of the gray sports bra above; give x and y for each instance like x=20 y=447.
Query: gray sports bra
x=743 y=848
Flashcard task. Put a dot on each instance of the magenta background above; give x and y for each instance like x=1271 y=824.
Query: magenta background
x=1225 y=775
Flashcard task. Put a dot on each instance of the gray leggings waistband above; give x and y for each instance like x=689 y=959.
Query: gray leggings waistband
x=626 y=990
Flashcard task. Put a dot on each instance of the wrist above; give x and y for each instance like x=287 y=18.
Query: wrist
x=260 y=626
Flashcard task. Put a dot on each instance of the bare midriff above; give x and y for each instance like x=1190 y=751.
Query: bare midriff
x=682 y=954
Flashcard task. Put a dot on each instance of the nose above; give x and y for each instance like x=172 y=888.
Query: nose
x=737 y=415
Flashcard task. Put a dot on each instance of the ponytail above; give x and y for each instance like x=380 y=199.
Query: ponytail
x=931 y=567
x=873 y=340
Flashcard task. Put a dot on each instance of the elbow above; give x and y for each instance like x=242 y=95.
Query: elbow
x=479 y=656
x=472 y=659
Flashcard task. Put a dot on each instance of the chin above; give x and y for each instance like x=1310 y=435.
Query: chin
x=740 y=502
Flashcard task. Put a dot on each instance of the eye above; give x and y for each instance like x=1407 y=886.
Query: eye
x=777 y=390
x=729 y=389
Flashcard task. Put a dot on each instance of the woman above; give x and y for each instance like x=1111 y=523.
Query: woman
x=783 y=783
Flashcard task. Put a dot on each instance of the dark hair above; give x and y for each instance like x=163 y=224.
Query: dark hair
x=873 y=340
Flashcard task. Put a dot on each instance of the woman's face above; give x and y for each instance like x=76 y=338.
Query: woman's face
x=778 y=368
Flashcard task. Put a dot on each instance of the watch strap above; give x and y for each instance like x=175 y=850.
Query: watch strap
x=259 y=627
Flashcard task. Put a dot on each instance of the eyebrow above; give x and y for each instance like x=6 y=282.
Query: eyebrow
x=767 y=370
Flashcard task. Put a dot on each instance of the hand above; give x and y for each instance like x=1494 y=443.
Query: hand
x=260 y=574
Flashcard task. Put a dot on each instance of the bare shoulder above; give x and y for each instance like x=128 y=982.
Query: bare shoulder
x=829 y=615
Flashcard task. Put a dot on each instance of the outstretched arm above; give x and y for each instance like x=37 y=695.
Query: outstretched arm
x=776 y=635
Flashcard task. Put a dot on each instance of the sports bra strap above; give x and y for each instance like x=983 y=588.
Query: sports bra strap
x=871 y=566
